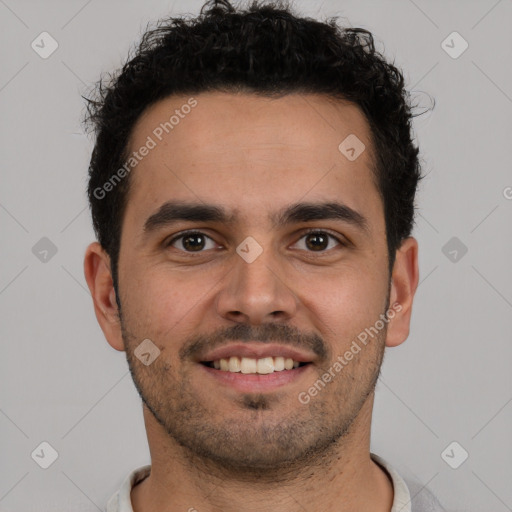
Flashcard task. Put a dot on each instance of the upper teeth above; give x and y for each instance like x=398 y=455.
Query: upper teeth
x=249 y=365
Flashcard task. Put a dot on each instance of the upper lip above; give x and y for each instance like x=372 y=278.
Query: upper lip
x=256 y=350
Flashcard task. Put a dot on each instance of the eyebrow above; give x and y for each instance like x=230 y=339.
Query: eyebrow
x=172 y=212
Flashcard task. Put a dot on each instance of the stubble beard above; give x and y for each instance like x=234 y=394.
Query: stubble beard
x=258 y=440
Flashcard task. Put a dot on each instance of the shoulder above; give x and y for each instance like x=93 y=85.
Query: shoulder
x=422 y=500
x=121 y=500
x=409 y=495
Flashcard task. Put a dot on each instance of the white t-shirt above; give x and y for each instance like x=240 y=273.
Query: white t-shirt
x=421 y=501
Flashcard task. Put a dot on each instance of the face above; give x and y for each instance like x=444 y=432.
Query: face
x=250 y=241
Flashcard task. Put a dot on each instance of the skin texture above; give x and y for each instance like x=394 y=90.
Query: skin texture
x=213 y=447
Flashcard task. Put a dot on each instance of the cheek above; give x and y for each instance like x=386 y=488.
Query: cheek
x=158 y=302
x=344 y=306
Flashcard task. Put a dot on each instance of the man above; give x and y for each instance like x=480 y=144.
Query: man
x=252 y=190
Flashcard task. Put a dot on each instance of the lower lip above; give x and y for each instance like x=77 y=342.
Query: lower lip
x=251 y=383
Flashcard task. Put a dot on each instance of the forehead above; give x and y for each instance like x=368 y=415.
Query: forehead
x=251 y=154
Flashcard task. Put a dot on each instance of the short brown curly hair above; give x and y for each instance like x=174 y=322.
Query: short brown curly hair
x=266 y=50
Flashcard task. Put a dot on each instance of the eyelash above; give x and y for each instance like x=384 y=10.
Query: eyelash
x=184 y=234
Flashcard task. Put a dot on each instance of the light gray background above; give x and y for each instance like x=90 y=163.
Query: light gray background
x=450 y=381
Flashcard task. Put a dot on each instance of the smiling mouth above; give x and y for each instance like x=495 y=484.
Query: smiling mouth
x=248 y=365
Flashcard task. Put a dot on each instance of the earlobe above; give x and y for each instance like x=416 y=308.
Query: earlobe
x=404 y=282
x=98 y=275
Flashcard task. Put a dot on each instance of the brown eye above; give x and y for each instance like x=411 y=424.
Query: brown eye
x=192 y=241
x=320 y=241
x=317 y=241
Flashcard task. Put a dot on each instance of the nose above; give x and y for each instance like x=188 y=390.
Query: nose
x=256 y=292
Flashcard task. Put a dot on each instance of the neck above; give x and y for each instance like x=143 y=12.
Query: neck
x=342 y=480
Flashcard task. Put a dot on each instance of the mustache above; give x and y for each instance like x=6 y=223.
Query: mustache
x=265 y=333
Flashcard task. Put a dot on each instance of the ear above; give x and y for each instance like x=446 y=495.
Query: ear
x=404 y=282
x=98 y=275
